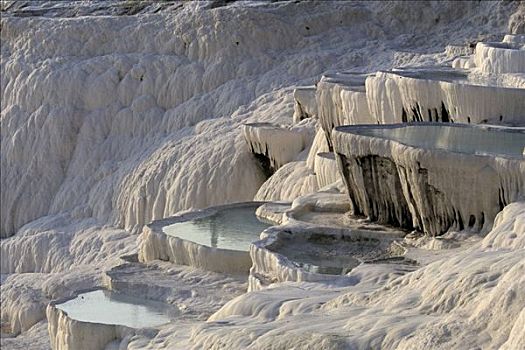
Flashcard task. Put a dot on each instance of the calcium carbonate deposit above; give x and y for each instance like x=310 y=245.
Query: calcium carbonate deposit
x=118 y=116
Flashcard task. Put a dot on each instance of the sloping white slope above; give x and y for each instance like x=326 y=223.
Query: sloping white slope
x=95 y=115
x=97 y=111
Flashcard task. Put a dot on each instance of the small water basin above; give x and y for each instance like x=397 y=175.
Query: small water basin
x=233 y=228
x=106 y=307
x=454 y=138
x=332 y=255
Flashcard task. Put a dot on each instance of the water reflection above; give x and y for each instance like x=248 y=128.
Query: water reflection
x=231 y=228
x=456 y=139
x=106 y=307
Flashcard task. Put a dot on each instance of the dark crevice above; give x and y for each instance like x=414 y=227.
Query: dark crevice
x=220 y=3
x=445 y=118
x=383 y=199
x=471 y=221
x=416 y=113
x=501 y=199
x=265 y=163
x=404 y=118
x=303 y=115
x=419 y=112
x=329 y=141
x=343 y=164
x=264 y=160
x=482 y=220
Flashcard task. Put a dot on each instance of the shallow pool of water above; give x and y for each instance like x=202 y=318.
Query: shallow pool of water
x=230 y=228
x=338 y=265
x=106 y=307
x=472 y=140
x=329 y=255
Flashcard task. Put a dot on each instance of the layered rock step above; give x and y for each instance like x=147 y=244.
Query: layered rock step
x=214 y=239
x=319 y=242
x=504 y=57
x=305 y=105
x=325 y=168
x=341 y=100
x=443 y=94
x=318 y=254
x=431 y=177
x=485 y=85
x=274 y=145
x=92 y=319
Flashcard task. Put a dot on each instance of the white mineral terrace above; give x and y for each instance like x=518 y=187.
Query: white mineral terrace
x=231 y=228
x=442 y=94
x=274 y=145
x=305 y=105
x=362 y=164
x=321 y=254
x=514 y=38
x=341 y=100
x=424 y=93
x=458 y=50
x=93 y=319
x=106 y=307
x=479 y=140
x=325 y=169
x=505 y=57
x=215 y=239
x=430 y=173
x=319 y=242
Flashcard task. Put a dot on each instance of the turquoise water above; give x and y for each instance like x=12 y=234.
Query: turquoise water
x=232 y=228
x=470 y=140
x=106 y=307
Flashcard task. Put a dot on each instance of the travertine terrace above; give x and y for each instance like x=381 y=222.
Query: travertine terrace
x=382 y=143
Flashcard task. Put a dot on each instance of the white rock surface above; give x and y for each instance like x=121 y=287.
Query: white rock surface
x=458 y=50
x=277 y=145
x=194 y=292
x=341 y=100
x=289 y=182
x=458 y=301
x=114 y=121
x=435 y=186
x=441 y=95
x=25 y=296
x=514 y=38
x=130 y=157
x=271 y=265
x=133 y=156
x=67 y=333
x=155 y=244
x=325 y=169
x=321 y=213
x=305 y=105
x=319 y=145
x=500 y=57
